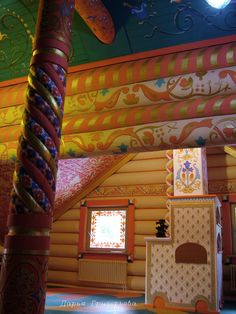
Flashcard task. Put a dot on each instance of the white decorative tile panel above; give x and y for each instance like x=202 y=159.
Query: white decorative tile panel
x=190 y=171
x=180 y=282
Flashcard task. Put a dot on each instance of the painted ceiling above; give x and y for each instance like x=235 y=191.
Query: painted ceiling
x=141 y=25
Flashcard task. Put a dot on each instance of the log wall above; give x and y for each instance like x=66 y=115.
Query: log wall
x=143 y=179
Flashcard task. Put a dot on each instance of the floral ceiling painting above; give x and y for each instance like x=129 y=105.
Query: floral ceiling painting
x=139 y=26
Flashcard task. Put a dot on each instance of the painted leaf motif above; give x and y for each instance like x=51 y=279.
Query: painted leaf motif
x=229 y=132
x=148 y=138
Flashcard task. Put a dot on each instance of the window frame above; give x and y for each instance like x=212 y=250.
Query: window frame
x=86 y=208
x=233 y=226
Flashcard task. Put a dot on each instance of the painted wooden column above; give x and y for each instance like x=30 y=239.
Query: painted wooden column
x=26 y=248
x=190 y=172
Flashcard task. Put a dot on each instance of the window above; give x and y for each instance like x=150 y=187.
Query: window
x=107 y=227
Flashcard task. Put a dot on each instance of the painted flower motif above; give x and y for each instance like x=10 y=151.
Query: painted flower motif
x=71 y=152
x=131 y=99
x=95 y=137
x=187 y=167
x=13 y=158
x=123 y=148
x=26 y=181
x=160 y=82
x=37 y=129
x=201 y=141
x=148 y=138
x=140 y=11
x=39 y=195
x=104 y=91
x=49 y=143
x=186 y=83
x=53 y=151
x=44 y=78
x=201 y=74
x=3 y=36
x=55 y=90
x=58 y=97
x=40 y=163
x=31 y=153
x=48 y=174
x=47 y=207
x=229 y=132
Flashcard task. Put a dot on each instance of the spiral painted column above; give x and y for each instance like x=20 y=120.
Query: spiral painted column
x=24 y=266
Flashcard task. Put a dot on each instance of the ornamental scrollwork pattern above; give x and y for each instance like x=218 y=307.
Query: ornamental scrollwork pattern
x=183 y=17
x=16 y=39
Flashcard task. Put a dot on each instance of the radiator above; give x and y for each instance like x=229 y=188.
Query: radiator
x=233 y=276
x=103 y=271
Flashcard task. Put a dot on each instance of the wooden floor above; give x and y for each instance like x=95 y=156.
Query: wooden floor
x=85 y=301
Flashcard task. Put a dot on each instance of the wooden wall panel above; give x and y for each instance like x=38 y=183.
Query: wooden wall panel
x=141 y=177
x=72 y=214
x=150 y=214
x=140 y=253
x=137 y=268
x=215 y=150
x=221 y=160
x=145 y=227
x=222 y=173
x=64 y=250
x=63 y=277
x=157 y=202
x=139 y=239
x=143 y=165
x=136 y=283
x=68 y=226
x=222 y=182
x=150 y=155
x=65 y=263
x=64 y=238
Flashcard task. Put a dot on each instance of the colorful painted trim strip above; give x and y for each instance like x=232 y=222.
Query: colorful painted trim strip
x=198 y=60
x=152 y=68
x=212 y=131
x=93 y=122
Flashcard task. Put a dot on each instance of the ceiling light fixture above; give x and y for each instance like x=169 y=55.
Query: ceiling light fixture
x=218 y=4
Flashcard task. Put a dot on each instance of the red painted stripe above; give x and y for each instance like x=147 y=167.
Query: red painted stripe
x=43 y=221
x=48 y=57
x=52 y=43
x=25 y=242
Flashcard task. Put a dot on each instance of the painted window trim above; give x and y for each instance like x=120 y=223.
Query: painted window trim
x=128 y=253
